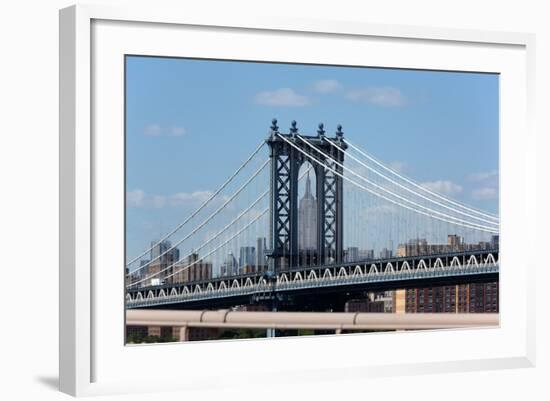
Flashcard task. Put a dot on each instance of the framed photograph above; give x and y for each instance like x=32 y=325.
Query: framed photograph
x=308 y=191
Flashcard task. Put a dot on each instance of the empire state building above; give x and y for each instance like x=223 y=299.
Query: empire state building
x=307 y=220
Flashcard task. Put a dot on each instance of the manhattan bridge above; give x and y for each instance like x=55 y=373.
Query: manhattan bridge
x=315 y=219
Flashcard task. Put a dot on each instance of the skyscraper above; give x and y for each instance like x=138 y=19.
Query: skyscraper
x=352 y=254
x=247 y=256
x=229 y=266
x=455 y=242
x=307 y=220
x=494 y=241
x=193 y=268
x=260 y=254
x=163 y=248
x=163 y=258
x=366 y=254
x=386 y=253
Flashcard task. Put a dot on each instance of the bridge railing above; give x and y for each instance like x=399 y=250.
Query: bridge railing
x=337 y=321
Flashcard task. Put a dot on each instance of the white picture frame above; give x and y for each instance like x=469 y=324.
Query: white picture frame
x=92 y=39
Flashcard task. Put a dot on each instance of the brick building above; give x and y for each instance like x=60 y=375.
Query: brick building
x=462 y=298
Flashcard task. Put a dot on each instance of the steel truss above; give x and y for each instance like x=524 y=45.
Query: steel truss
x=285 y=166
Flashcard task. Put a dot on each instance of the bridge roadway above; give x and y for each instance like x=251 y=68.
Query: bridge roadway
x=305 y=286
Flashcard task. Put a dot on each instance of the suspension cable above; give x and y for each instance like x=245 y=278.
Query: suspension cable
x=356 y=148
x=215 y=236
x=204 y=204
x=203 y=245
x=468 y=225
x=387 y=190
x=411 y=190
x=212 y=215
x=201 y=258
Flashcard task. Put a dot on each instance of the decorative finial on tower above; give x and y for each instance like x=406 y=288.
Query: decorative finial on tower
x=293 y=129
x=274 y=127
x=339 y=132
x=321 y=131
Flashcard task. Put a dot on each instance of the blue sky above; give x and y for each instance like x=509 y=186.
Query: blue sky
x=189 y=123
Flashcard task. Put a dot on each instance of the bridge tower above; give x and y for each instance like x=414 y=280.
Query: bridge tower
x=286 y=161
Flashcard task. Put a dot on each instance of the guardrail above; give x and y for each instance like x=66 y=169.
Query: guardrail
x=336 y=321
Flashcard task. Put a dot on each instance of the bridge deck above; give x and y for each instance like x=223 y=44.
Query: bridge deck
x=321 y=278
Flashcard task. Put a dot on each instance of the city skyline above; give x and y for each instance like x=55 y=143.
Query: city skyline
x=251 y=261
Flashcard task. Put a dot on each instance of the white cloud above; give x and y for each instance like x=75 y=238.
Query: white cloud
x=135 y=198
x=139 y=198
x=189 y=198
x=444 y=187
x=386 y=96
x=488 y=185
x=484 y=176
x=152 y=130
x=158 y=201
x=363 y=214
x=177 y=131
x=398 y=166
x=486 y=193
x=282 y=97
x=157 y=130
x=326 y=86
